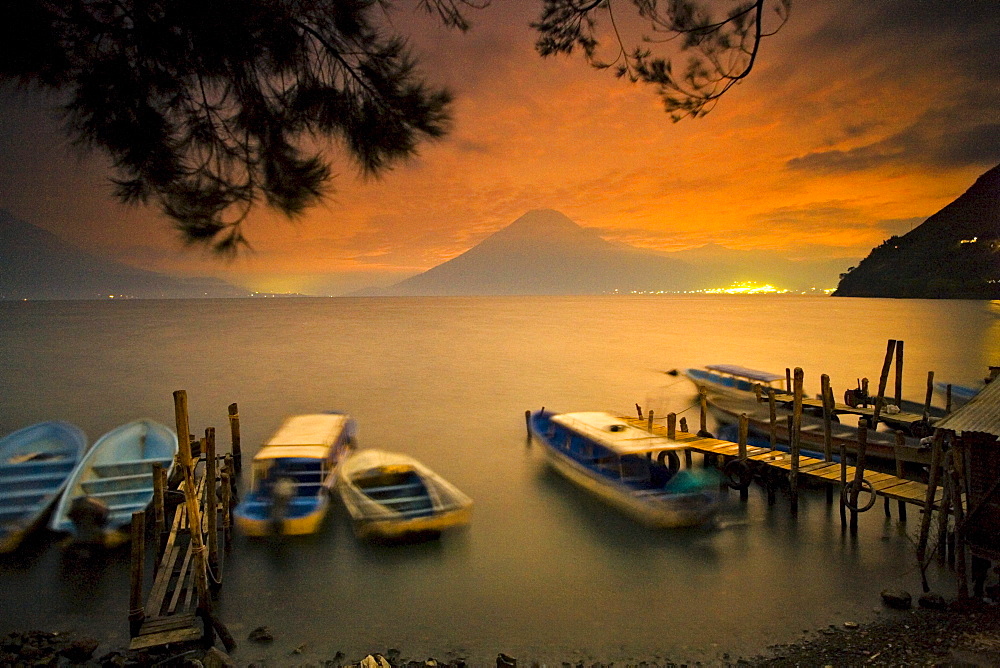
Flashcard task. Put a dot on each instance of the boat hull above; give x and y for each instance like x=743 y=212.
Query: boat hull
x=652 y=508
x=393 y=497
x=36 y=463
x=118 y=472
x=294 y=474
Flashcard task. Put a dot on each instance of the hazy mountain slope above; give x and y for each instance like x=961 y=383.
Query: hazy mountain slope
x=954 y=254
x=544 y=252
x=36 y=264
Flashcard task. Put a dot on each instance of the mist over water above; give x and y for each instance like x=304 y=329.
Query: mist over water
x=544 y=572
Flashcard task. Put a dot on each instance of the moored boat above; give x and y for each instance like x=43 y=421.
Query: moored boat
x=116 y=475
x=293 y=475
x=391 y=496
x=35 y=465
x=636 y=472
x=732 y=380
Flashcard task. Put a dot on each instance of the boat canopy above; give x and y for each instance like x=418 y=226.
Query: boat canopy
x=614 y=433
x=306 y=436
x=743 y=372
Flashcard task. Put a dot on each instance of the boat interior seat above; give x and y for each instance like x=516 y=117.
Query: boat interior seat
x=38 y=467
x=32 y=481
x=15 y=511
x=117 y=483
x=417 y=512
x=126 y=468
x=24 y=494
x=400 y=500
x=382 y=489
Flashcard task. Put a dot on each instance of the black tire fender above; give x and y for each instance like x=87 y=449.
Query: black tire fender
x=866 y=488
x=669 y=459
x=738 y=474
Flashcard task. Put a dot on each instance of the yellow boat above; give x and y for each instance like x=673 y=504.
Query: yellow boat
x=293 y=475
x=392 y=497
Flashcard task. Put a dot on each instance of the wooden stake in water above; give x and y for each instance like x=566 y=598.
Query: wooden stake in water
x=827 y=394
x=925 y=521
x=671 y=425
x=234 y=429
x=882 y=380
x=742 y=444
x=795 y=436
x=211 y=505
x=899 y=374
x=900 y=444
x=773 y=410
x=200 y=572
x=859 y=472
x=136 y=614
x=927 y=397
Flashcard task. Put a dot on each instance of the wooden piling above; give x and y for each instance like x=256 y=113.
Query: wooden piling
x=795 y=436
x=957 y=484
x=843 y=482
x=200 y=573
x=649 y=421
x=827 y=394
x=773 y=410
x=159 y=511
x=136 y=614
x=947 y=399
x=234 y=430
x=900 y=443
x=925 y=520
x=527 y=424
x=226 y=515
x=742 y=444
x=928 y=396
x=703 y=402
x=859 y=472
x=211 y=505
x=788 y=380
x=684 y=424
x=882 y=380
x=671 y=425
x=899 y=374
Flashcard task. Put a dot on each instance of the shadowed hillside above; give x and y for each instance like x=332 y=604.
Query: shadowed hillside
x=36 y=264
x=954 y=254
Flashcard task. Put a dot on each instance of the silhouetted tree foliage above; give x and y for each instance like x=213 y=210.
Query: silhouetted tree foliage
x=721 y=39
x=207 y=107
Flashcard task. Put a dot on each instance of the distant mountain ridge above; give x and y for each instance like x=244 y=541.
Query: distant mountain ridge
x=36 y=264
x=546 y=253
x=954 y=254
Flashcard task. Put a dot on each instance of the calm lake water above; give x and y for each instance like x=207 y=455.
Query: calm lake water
x=544 y=572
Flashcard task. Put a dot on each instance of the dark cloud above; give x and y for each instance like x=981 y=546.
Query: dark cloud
x=934 y=141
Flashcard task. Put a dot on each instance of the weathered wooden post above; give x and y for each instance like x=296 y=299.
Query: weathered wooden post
x=843 y=483
x=927 y=397
x=684 y=425
x=899 y=374
x=703 y=402
x=957 y=485
x=742 y=444
x=159 y=512
x=900 y=504
x=773 y=415
x=925 y=520
x=234 y=429
x=859 y=472
x=233 y=477
x=136 y=614
x=200 y=572
x=211 y=505
x=794 y=438
x=527 y=423
x=649 y=421
x=788 y=380
x=947 y=399
x=672 y=425
x=226 y=516
x=828 y=406
x=638 y=410
x=882 y=380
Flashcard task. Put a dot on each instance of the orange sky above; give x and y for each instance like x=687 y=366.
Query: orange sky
x=860 y=120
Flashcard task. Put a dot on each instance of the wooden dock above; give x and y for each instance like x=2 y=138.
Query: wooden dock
x=829 y=472
x=178 y=608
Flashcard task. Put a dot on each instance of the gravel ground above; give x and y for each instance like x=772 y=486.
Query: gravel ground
x=962 y=635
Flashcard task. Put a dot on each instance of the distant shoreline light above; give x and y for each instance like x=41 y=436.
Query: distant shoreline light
x=737 y=288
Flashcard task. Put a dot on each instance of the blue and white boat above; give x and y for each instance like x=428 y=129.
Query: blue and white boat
x=632 y=470
x=35 y=465
x=117 y=472
x=733 y=380
x=294 y=473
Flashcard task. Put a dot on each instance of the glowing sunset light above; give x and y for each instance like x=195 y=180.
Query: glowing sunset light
x=860 y=120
